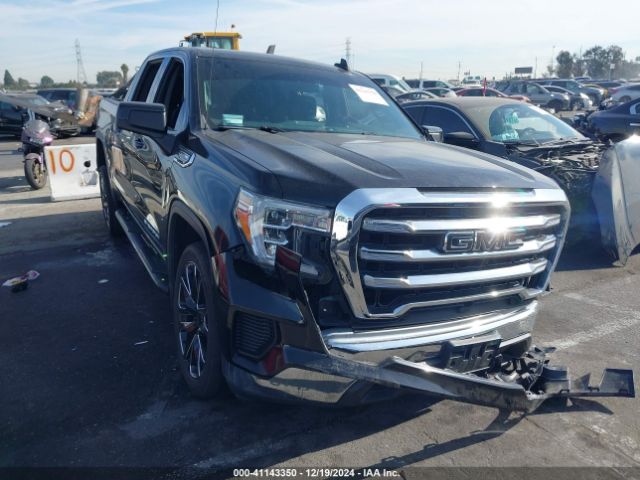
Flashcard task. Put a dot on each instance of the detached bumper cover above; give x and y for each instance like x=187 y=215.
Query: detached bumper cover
x=512 y=394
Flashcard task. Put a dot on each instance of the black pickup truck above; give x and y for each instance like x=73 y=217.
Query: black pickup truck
x=316 y=246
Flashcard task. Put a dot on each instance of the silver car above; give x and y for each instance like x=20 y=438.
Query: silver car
x=625 y=93
x=537 y=94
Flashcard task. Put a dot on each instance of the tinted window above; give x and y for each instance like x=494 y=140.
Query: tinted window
x=413 y=83
x=444 y=118
x=146 y=80
x=473 y=93
x=171 y=91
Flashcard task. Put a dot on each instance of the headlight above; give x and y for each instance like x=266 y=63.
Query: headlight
x=268 y=222
x=36 y=141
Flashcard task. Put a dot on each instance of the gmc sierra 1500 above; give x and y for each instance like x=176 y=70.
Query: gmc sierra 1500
x=316 y=246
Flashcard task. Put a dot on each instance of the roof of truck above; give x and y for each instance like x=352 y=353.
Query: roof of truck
x=251 y=56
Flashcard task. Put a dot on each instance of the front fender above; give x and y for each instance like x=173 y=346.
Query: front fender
x=616 y=194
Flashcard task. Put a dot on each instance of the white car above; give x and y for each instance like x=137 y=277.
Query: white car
x=625 y=93
x=386 y=80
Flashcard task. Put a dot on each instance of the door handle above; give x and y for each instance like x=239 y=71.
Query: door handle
x=138 y=143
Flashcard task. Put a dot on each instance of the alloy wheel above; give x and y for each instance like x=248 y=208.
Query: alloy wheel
x=192 y=318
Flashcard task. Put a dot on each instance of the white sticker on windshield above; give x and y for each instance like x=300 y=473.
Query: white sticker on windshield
x=368 y=94
x=232 y=119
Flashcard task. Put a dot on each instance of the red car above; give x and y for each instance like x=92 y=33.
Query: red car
x=489 y=92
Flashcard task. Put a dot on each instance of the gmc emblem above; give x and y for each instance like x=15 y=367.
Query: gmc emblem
x=482 y=241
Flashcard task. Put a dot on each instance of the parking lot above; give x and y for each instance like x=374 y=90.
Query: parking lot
x=90 y=376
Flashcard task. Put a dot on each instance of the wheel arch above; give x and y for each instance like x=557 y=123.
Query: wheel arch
x=184 y=228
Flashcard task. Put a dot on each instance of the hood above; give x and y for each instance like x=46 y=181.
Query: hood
x=323 y=168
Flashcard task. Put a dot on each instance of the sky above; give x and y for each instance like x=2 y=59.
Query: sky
x=487 y=38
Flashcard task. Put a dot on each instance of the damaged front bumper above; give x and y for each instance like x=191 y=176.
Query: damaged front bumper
x=522 y=386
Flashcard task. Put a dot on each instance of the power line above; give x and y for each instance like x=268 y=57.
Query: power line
x=81 y=75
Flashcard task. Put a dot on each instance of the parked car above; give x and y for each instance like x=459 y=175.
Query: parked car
x=616 y=123
x=410 y=96
x=17 y=109
x=577 y=100
x=625 y=93
x=596 y=94
x=488 y=92
x=536 y=93
x=288 y=209
x=422 y=84
x=441 y=91
x=69 y=96
x=385 y=80
x=590 y=172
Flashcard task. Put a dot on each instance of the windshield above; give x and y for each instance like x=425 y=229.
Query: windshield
x=238 y=93
x=520 y=123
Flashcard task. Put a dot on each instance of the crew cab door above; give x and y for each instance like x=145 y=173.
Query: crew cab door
x=157 y=154
x=150 y=157
x=137 y=155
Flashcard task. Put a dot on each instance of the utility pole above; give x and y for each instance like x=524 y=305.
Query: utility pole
x=421 y=70
x=81 y=75
x=459 y=67
x=535 y=70
x=347 y=51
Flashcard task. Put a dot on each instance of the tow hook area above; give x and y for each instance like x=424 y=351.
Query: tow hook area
x=521 y=384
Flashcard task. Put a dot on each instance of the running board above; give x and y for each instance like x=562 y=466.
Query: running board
x=152 y=262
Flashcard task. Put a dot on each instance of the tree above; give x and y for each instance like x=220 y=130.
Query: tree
x=125 y=72
x=577 y=69
x=565 y=64
x=597 y=62
x=9 y=82
x=109 y=79
x=23 y=83
x=46 y=81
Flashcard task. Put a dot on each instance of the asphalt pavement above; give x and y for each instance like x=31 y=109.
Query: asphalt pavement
x=89 y=375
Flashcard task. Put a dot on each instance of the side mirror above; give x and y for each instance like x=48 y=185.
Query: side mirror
x=433 y=132
x=462 y=139
x=143 y=118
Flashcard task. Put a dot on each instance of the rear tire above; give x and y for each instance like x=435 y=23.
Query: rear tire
x=109 y=203
x=35 y=173
x=195 y=324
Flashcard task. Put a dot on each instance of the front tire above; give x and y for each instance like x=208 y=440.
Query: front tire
x=109 y=203
x=35 y=173
x=195 y=325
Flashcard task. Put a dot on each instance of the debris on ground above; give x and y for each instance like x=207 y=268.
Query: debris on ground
x=103 y=280
x=140 y=343
x=17 y=284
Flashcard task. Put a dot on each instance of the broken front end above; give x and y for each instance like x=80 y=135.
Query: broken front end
x=401 y=298
x=602 y=182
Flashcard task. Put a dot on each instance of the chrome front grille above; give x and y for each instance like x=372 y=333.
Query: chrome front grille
x=392 y=253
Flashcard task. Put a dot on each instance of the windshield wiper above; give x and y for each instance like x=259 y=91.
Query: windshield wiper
x=270 y=129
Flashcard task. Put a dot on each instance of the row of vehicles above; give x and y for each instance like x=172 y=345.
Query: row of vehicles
x=317 y=245
x=611 y=107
